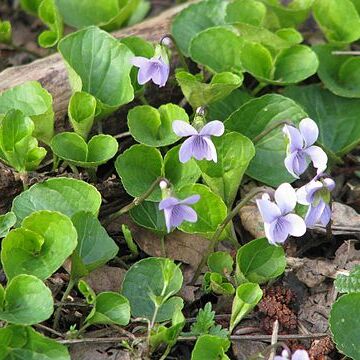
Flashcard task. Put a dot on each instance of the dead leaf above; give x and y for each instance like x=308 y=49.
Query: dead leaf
x=106 y=278
x=94 y=351
x=244 y=349
x=252 y=221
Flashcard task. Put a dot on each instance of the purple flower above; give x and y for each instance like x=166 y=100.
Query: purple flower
x=301 y=150
x=316 y=194
x=199 y=144
x=297 y=355
x=177 y=211
x=279 y=222
x=155 y=69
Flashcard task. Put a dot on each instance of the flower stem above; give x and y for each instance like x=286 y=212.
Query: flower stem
x=269 y=129
x=181 y=56
x=143 y=100
x=214 y=240
x=258 y=88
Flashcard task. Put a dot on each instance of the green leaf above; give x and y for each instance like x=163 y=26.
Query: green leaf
x=5 y=32
x=337 y=117
x=217 y=48
x=87 y=291
x=129 y=239
x=18 y=148
x=204 y=321
x=210 y=209
x=338 y=20
x=99 y=65
x=291 y=35
x=246 y=298
x=246 y=11
x=234 y=152
x=340 y=74
x=344 y=324
x=138 y=167
x=195 y=18
x=40 y=246
x=199 y=93
x=50 y=16
x=27 y=301
x=251 y=119
x=24 y=343
x=72 y=148
x=82 y=111
x=110 y=308
x=31 y=6
x=220 y=262
x=153 y=127
x=149 y=280
x=94 y=247
x=210 y=347
x=258 y=262
x=348 y=283
x=33 y=101
x=148 y=215
x=7 y=221
x=64 y=195
x=218 y=284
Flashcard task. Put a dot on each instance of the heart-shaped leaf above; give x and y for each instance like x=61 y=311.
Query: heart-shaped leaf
x=251 y=119
x=20 y=342
x=7 y=221
x=18 y=148
x=149 y=280
x=337 y=117
x=73 y=148
x=235 y=152
x=110 y=308
x=64 y=195
x=33 y=101
x=215 y=282
x=153 y=127
x=246 y=11
x=82 y=111
x=27 y=301
x=199 y=93
x=40 y=246
x=148 y=215
x=94 y=246
x=210 y=347
x=104 y=74
x=220 y=262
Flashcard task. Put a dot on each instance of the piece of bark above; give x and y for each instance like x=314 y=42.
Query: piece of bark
x=51 y=72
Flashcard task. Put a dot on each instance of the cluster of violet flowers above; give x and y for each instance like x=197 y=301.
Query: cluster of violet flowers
x=279 y=218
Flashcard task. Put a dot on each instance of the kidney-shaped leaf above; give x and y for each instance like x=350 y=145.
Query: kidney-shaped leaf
x=210 y=347
x=27 y=301
x=64 y=195
x=40 y=246
x=149 y=280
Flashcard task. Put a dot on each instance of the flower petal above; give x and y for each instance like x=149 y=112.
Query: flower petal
x=309 y=131
x=213 y=128
x=314 y=213
x=300 y=355
x=145 y=73
x=289 y=164
x=318 y=157
x=140 y=61
x=277 y=232
x=168 y=202
x=186 y=150
x=167 y=215
x=177 y=216
x=269 y=211
x=285 y=197
x=182 y=128
x=329 y=183
x=188 y=213
x=305 y=195
x=296 y=141
x=203 y=149
x=295 y=225
x=326 y=215
x=161 y=73
x=212 y=154
x=191 y=200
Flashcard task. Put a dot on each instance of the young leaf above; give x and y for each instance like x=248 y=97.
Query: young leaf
x=65 y=195
x=18 y=148
x=87 y=291
x=251 y=119
x=210 y=347
x=33 y=101
x=73 y=148
x=258 y=261
x=199 y=93
x=7 y=221
x=220 y=262
x=110 y=308
x=349 y=283
x=5 y=32
x=246 y=11
x=345 y=326
x=234 y=152
x=19 y=342
x=149 y=280
x=40 y=246
x=153 y=127
x=129 y=239
x=204 y=321
x=106 y=77
x=218 y=284
x=94 y=246
x=82 y=111
x=27 y=301
x=50 y=16
x=246 y=298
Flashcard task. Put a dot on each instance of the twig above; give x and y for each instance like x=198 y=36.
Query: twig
x=274 y=339
x=122 y=135
x=52 y=331
x=355 y=53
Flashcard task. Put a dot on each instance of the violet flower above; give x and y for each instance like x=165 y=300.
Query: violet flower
x=301 y=149
x=297 y=355
x=317 y=195
x=199 y=144
x=177 y=211
x=155 y=69
x=279 y=222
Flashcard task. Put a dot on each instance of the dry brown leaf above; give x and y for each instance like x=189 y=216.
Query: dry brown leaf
x=251 y=220
x=243 y=350
x=95 y=351
x=106 y=278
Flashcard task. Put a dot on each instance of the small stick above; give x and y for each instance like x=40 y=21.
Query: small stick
x=355 y=53
x=274 y=339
